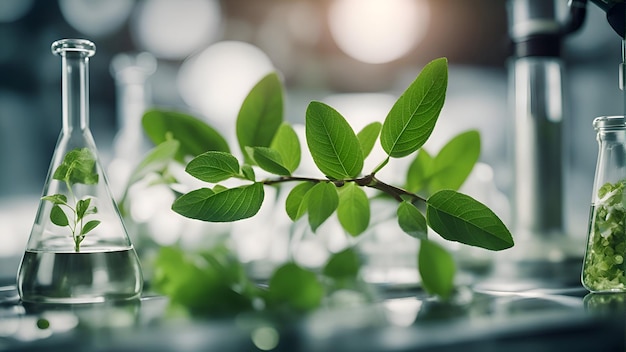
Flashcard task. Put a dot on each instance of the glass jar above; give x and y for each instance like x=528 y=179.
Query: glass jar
x=604 y=264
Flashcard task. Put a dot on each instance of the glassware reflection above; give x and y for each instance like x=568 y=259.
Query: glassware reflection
x=85 y=317
x=605 y=304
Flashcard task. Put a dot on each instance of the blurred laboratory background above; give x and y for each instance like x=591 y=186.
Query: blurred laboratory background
x=203 y=56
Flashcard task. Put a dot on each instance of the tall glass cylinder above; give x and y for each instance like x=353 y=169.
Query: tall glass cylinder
x=78 y=250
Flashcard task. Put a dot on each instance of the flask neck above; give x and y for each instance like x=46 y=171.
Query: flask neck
x=610 y=129
x=75 y=78
x=611 y=136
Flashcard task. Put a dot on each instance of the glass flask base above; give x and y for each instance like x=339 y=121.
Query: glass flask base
x=80 y=277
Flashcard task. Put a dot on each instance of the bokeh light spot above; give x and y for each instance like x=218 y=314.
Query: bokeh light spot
x=265 y=338
x=96 y=17
x=174 y=29
x=217 y=80
x=13 y=10
x=378 y=31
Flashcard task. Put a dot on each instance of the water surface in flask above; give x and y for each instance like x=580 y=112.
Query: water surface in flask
x=89 y=276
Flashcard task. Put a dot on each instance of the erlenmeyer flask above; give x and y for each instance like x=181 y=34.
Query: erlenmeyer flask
x=78 y=250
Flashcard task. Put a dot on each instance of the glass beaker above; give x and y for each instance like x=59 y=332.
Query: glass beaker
x=604 y=264
x=78 y=250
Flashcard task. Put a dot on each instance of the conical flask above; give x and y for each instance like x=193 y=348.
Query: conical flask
x=78 y=250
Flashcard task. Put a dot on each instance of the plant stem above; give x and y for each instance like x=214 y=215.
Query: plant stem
x=76 y=220
x=370 y=180
x=75 y=230
x=380 y=166
x=397 y=193
x=291 y=179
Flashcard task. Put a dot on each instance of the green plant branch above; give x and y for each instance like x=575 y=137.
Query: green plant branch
x=370 y=181
x=340 y=155
x=284 y=179
x=397 y=193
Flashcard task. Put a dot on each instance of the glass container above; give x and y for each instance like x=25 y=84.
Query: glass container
x=131 y=73
x=604 y=266
x=78 y=250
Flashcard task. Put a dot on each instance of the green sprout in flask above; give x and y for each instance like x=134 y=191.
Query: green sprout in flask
x=78 y=166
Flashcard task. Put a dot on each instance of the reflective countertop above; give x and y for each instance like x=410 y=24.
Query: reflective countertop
x=406 y=320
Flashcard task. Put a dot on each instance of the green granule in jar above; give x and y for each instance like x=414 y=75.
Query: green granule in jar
x=604 y=267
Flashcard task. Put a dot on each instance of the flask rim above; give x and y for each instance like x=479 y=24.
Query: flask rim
x=609 y=123
x=82 y=46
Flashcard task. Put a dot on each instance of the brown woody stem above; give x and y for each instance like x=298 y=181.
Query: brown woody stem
x=370 y=181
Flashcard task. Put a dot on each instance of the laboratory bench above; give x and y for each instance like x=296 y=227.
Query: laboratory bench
x=478 y=318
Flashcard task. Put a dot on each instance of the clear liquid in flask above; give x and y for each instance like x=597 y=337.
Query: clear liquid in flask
x=85 y=277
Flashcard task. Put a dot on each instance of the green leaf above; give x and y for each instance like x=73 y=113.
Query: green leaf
x=455 y=161
x=287 y=144
x=420 y=172
x=43 y=323
x=295 y=200
x=436 y=267
x=459 y=217
x=157 y=160
x=202 y=283
x=269 y=160
x=58 y=217
x=91 y=210
x=56 y=198
x=343 y=265
x=213 y=166
x=219 y=188
x=78 y=166
x=89 y=226
x=194 y=135
x=334 y=147
x=230 y=205
x=248 y=172
x=412 y=221
x=322 y=201
x=81 y=207
x=295 y=287
x=261 y=113
x=412 y=118
x=354 y=209
x=368 y=136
